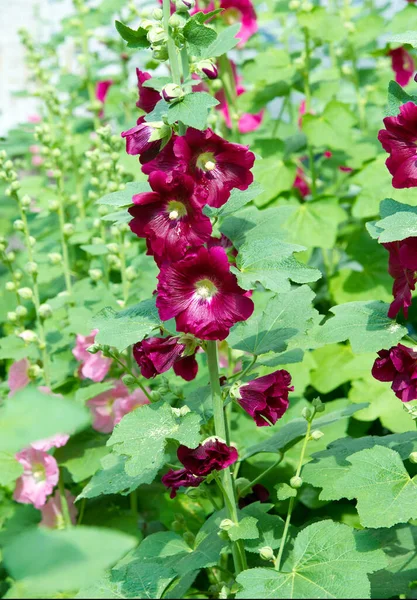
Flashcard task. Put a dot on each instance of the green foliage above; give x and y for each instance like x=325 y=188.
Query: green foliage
x=134 y=38
x=192 y=110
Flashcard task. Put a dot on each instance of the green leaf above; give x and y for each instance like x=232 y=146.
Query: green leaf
x=124 y=328
x=322 y=25
x=225 y=41
x=365 y=324
x=328 y=561
x=197 y=35
x=14 y=347
x=246 y=529
x=20 y=424
x=95 y=249
x=286 y=316
x=123 y=197
x=291 y=433
x=284 y=491
x=142 y=435
x=111 y=479
x=333 y=129
x=69 y=559
x=399 y=221
x=271 y=527
x=87 y=462
x=192 y=110
x=274 y=175
x=316 y=223
x=10 y=469
x=408 y=37
x=238 y=199
x=396 y=97
x=330 y=466
x=144 y=580
x=385 y=493
x=134 y=38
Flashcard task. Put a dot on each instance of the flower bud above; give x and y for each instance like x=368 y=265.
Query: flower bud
x=306 y=413
x=349 y=26
x=19 y=225
x=21 y=311
x=68 y=229
x=25 y=293
x=15 y=185
x=155 y=395
x=307 y=6
x=316 y=435
x=175 y=21
x=177 y=526
x=32 y=241
x=45 y=311
x=226 y=524
x=184 y=5
x=55 y=258
x=128 y=380
x=181 y=412
x=318 y=405
x=131 y=273
x=157 y=35
x=32 y=268
x=25 y=201
x=35 y=371
x=234 y=390
x=12 y=317
x=53 y=205
x=413 y=457
x=296 y=482
x=95 y=274
x=208 y=68
x=266 y=553
x=10 y=286
x=146 y=24
x=11 y=257
x=114 y=248
x=157 y=14
x=28 y=336
x=172 y=91
x=160 y=53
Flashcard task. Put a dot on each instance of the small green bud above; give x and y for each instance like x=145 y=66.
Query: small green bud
x=181 y=412
x=172 y=91
x=10 y=286
x=12 y=317
x=103 y=210
x=147 y=24
x=316 y=435
x=266 y=553
x=114 y=248
x=307 y=6
x=184 y=5
x=128 y=380
x=32 y=241
x=45 y=311
x=175 y=21
x=296 y=482
x=413 y=457
x=25 y=293
x=21 y=311
x=294 y=4
x=157 y=35
x=56 y=152
x=226 y=524
x=160 y=53
x=157 y=14
x=11 y=256
x=94 y=348
x=53 y=205
x=349 y=26
x=35 y=371
x=19 y=225
x=306 y=413
x=28 y=336
x=131 y=273
x=68 y=229
x=25 y=201
x=32 y=268
x=155 y=396
x=95 y=274
x=55 y=258
x=15 y=185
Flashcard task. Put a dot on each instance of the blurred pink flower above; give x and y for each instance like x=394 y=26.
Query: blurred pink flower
x=18 y=376
x=102 y=89
x=93 y=366
x=402 y=64
x=40 y=476
x=52 y=511
x=34 y=118
x=110 y=407
x=56 y=441
x=37 y=160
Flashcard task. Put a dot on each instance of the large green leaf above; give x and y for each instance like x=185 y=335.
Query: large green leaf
x=328 y=561
x=399 y=221
x=192 y=110
x=316 y=223
x=142 y=436
x=238 y=199
x=333 y=129
x=111 y=478
x=10 y=469
x=123 y=197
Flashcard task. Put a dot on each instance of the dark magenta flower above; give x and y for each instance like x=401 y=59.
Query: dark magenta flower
x=300 y=183
x=102 y=89
x=216 y=165
x=148 y=97
x=402 y=266
x=399 y=139
x=212 y=455
x=265 y=399
x=180 y=478
x=202 y=294
x=402 y=64
x=146 y=139
x=399 y=365
x=157 y=355
x=170 y=217
x=235 y=11
x=259 y=493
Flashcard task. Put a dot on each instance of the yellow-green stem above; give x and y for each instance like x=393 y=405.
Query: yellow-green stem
x=64 y=503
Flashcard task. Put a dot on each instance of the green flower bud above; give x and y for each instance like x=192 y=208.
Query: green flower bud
x=28 y=336
x=21 y=311
x=160 y=53
x=296 y=482
x=15 y=186
x=10 y=286
x=172 y=91
x=55 y=258
x=226 y=524
x=25 y=201
x=131 y=273
x=45 y=311
x=316 y=435
x=157 y=35
x=68 y=229
x=157 y=14
x=95 y=274
x=155 y=396
x=189 y=538
x=266 y=553
x=53 y=205
x=114 y=248
x=413 y=457
x=12 y=317
x=35 y=371
x=306 y=413
x=25 y=293
x=32 y=268
x=11 y=256
x=19 y=225
x=128 y=380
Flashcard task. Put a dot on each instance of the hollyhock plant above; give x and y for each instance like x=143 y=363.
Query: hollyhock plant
x=265 y=399
x=108 y=408
x=180 y=478
x=402 y=64
x=157 y=355
x=146 y=139
x=52 y=516
x=398 y=365
x=202 y=295
x=211 y=455
x=216 y=165
x=148 y=97
x=40 y=476
x=170 y=217
x=399 y=139
x=93 y=366
x=402 y=267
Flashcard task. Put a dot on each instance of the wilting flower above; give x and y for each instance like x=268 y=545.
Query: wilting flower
x=146 y=139
x=102 y=89
x=148 y=97
x=56 y=441
x=157 y=355
x=212 y=455
x=402 y=266
x=399 y=139
x=52 y=516
x=300 y=183
x=259 y=493
x=216 y=165
x=399 y=365
x=40 y=476
x=202 y=294
x=265 y=399
x=180 y=478
x=402 y=64
x=93 y=366
x=18 y=377
x=170 y=217
x=108 y=408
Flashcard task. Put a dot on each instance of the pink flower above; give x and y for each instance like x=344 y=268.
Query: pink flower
x=202 y=294
x=399 y=365
x=216 y=165
x=102 y=89
x=170 y=217
x=37 y=160
x=18 y=377
x=145 y=139
x=300 y=183
x=180 y=478
x=402 y=64
x=345 y=169
x=212 y=455
x=235 y=11
x=399 y=139
x=34 y=118
x=148 y=97
x=157 y=355
x=52 y=511
x=111 y=406
x=327 y=154
x=40 y=476
x=94 y=366
x=56 y=441
x=265 y=399
x=402 y=267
